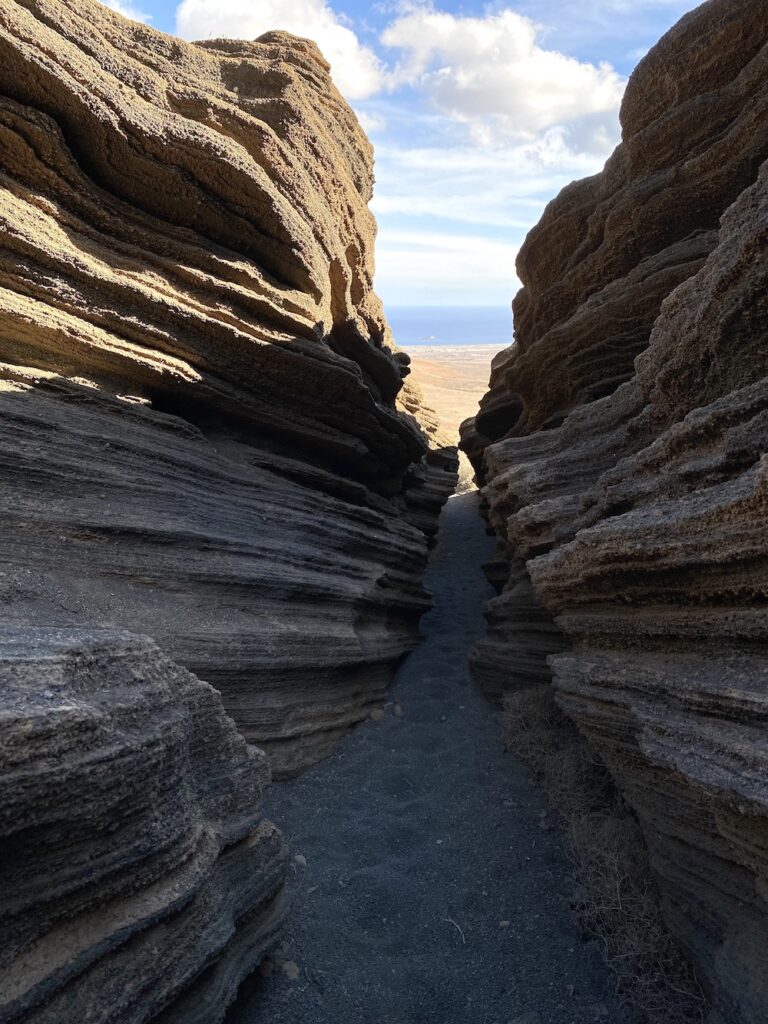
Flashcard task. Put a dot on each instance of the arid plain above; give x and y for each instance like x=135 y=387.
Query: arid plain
x=453 y=379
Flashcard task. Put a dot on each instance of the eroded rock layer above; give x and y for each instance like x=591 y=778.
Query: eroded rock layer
x=623 y=449
x=203 y=435
x=140 y=881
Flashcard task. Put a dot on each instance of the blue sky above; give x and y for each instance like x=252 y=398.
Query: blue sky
x=479 y=112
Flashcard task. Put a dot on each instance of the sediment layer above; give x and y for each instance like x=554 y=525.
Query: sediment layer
x=622 y=448
x=204 y=432
x=206 y=439
x=140 y=880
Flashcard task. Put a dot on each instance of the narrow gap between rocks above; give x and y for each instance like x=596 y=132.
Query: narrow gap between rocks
x=430 y=885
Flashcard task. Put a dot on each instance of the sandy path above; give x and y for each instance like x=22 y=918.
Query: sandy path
x=421 y=835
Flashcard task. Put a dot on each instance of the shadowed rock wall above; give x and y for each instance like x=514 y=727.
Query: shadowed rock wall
x=622 y=446
x=203 y=436
x=140 y=881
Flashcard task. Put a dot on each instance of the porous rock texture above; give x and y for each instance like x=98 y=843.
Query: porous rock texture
x=622 y=448
x=205 y=438
x=140 y=881
x=204 y=434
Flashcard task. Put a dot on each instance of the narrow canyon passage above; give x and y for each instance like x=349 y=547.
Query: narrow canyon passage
x=433 y=890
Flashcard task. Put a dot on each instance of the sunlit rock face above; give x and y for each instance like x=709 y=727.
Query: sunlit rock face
x=203 y=436
x=205 y=440
x=140 y=881
x=622 y=446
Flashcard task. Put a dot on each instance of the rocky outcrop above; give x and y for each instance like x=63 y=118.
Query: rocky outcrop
x=140 y=880
x=204 y=439
x=203 y=433
x=622 y=447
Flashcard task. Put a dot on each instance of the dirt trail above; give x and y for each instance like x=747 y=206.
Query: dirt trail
x=431 y=892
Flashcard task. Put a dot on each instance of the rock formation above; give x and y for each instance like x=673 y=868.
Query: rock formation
x=204 y=439
x=139 y=880
x=622 y=447
x=203 y=436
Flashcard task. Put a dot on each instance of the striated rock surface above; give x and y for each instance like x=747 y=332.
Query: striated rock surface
x=140 y=880
x=203 y=432
x=622 y=447
x=610 y=248
x=205 y=438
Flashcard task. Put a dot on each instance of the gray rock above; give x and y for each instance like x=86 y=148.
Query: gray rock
x=139 y=877
x=629 y=495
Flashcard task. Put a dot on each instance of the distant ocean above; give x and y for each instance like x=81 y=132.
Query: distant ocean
x=450 y=325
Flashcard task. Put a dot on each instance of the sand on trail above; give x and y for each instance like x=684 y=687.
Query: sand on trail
x=431 y=894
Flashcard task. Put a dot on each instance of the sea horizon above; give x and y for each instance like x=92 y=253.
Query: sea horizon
x=426 y=326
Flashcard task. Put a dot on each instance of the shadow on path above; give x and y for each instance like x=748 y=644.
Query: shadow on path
x=431 y=894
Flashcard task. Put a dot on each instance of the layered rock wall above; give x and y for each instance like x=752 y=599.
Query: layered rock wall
x=140 y=881
x=204 y=439
x=622 y=447
x=203 y=436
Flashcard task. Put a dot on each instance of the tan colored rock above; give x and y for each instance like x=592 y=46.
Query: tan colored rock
x=637 y=524
x=200 y=437
x=610 y=248
x=201 y=442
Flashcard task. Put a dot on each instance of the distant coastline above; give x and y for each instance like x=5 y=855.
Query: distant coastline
x=427 y=326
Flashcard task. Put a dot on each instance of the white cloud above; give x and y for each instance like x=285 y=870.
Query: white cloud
x=426 y=268
x=478 y=122
x=355 y=68
x=372 y=123
x=606 y=26
x=502 y=187
x=471 y=204
x=491 y=74
x=127 y=10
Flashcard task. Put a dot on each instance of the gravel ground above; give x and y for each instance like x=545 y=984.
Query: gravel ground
x=431 y=885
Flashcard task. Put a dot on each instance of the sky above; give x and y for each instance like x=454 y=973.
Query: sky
x=479 y=114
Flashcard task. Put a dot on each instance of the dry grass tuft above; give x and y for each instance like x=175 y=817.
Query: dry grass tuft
x=618 y=900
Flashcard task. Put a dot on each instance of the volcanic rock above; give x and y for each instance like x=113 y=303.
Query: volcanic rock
x=629 y=492
x=205 y=439
x=203 y=436
x=140 y=881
